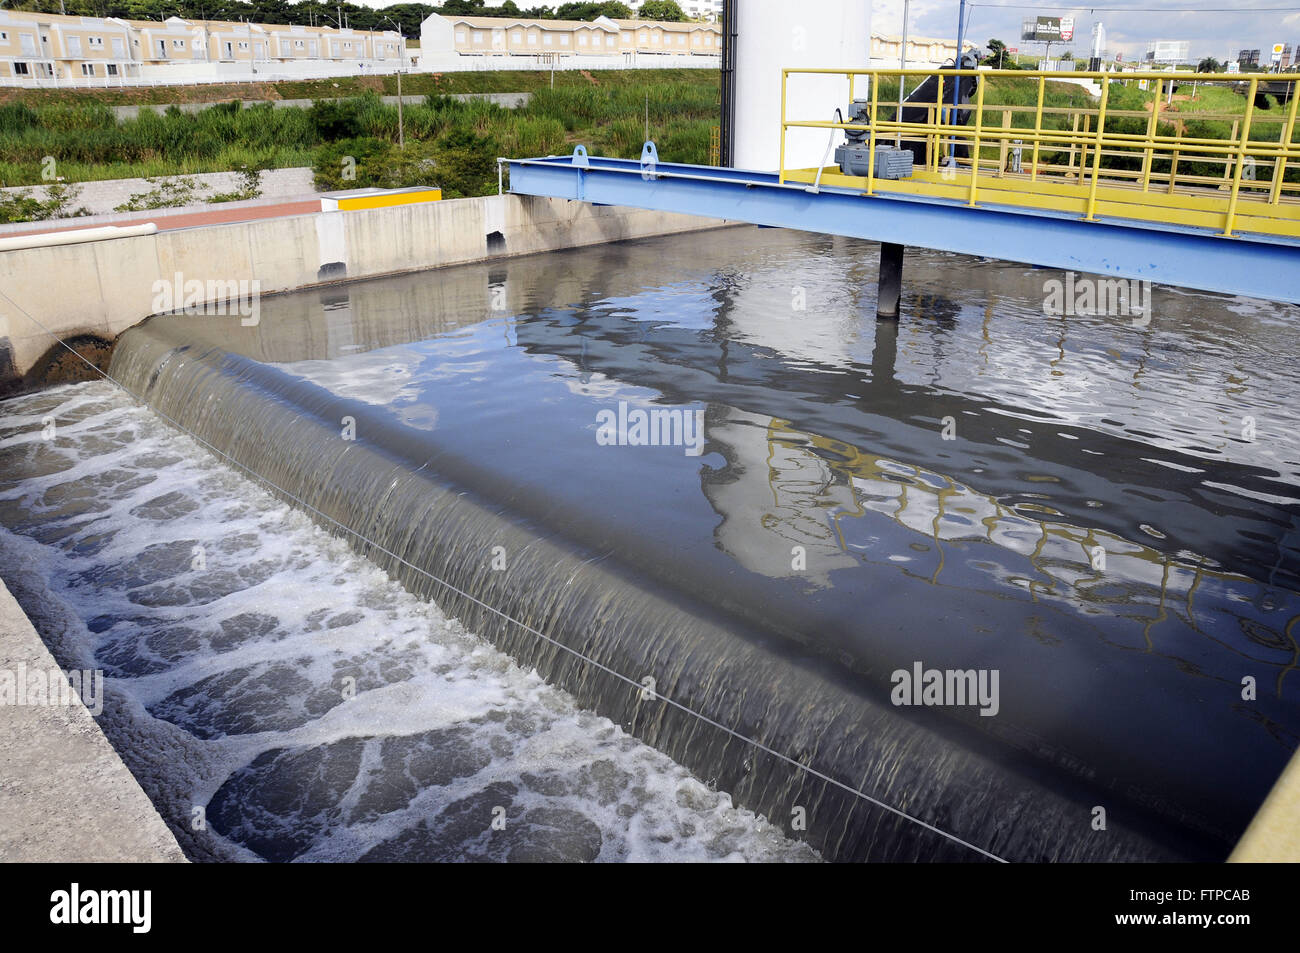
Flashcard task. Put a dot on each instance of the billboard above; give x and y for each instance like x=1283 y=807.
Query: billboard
x=1248 y=57
x=1047 y=29
x=1277 y=52
x=1168 y=51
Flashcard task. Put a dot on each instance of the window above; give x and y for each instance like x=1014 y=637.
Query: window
x=112 y=69
x=548 y=40
x=517 y=36
x=178 y=44
x=681 y=40
x=297 y=44
x=74 y=46
x=532 y=39
x=627 y=37
x=3 y=36
x=87 y=69
x=20 y=69
x=582 y=39
x=28 y=43
x=478 y=38
x=119 y=47
x=96 y=42
x=347 y=47
x=460 y=36
x=243 y=45
x=564 y=40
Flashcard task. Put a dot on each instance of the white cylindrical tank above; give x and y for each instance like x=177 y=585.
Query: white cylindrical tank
x=783 y=34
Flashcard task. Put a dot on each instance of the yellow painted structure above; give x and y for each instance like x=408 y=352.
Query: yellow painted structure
x=379 y=198
x=1061 y=151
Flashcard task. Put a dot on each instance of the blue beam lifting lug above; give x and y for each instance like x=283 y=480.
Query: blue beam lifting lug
x=649 y=161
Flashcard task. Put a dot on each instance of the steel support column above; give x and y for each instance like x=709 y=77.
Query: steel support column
x=890 y=283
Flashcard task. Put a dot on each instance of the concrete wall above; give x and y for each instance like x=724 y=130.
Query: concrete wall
x=104 y=196
x=505 y=100
x=99 y=289
x=66 y=795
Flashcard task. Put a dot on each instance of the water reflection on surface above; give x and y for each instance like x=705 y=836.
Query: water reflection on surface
x=1099 y=528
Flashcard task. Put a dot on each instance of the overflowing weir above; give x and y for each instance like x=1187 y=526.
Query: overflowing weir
x=866 y=499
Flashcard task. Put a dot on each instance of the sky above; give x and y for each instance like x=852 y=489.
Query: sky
x=1247 y=26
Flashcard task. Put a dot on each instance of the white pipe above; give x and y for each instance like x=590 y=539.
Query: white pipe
x=76 y=236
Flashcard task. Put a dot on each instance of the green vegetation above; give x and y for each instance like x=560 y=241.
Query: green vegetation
x=353 y=142
x=30 y=208
x=413 y=84
x=454 y=144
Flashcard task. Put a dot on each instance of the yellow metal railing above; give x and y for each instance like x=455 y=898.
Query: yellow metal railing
x=1096 y=161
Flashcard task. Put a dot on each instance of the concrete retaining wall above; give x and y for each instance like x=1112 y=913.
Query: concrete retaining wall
x=97 y=290
x=104 y=196
x=505 y=100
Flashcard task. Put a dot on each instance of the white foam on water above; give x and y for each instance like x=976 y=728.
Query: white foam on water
x=226 y=684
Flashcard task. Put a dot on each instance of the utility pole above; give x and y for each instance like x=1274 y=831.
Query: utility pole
x=401 y=123
x=902 y=80
x=956 y=85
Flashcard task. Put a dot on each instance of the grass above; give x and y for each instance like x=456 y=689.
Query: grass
x=608 y=112
x=413 y=84
x=455 y=143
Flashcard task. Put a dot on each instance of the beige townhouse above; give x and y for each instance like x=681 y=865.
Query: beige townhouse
x=35 y=47
x=503 y=36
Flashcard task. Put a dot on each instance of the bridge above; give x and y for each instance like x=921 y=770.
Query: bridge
x=1144 y=195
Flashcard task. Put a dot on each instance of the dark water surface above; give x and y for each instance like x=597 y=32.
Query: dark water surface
x=1101 y=511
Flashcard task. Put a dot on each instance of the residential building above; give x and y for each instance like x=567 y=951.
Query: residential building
x=446 y=38
x=923 y=52
x=51 y=47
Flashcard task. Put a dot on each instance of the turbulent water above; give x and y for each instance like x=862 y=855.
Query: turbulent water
x=1100 y=510
x=228 y=683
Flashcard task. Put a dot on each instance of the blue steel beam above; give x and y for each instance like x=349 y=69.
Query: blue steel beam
x=1253 y=265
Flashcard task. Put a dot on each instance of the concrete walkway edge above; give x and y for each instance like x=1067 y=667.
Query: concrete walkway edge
x=65 y=795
